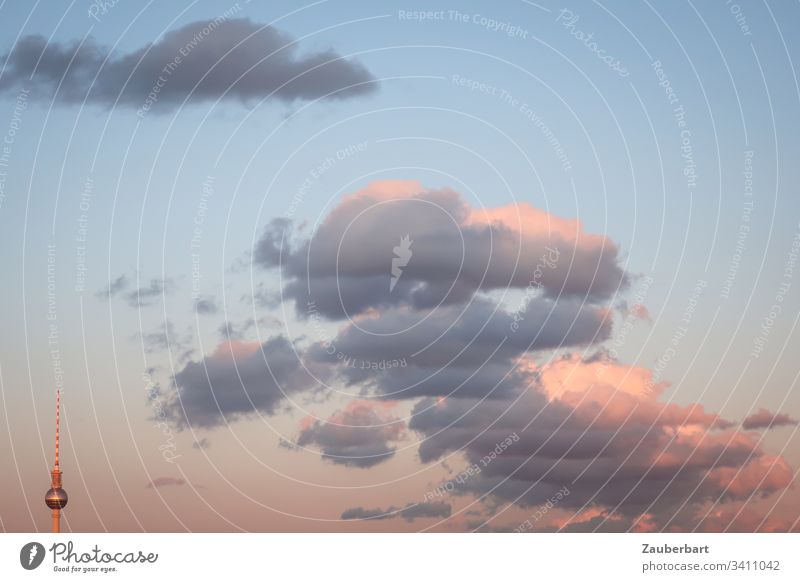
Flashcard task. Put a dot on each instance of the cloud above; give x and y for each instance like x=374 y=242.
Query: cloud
x=431 y=509
x=454 y=350
x=261 y=296
x=358 y=436
x=483 y=370
x=164 y=338
x=206 y=60
x=114 y=287
x=240 y=379
x=410 y=512
x=766 y=419
x=229 y=331
x=202 y=443
x=745 y=520
x=345 y=268
x=640 y=311
x=478 y=371
x=164 y=482
x=158 y=340
x=239 y=331
x=362 y=513
x=149 y=295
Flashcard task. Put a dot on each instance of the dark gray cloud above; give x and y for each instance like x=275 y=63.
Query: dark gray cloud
x=469 y=351
x=202 y=443
x=228 y=330
x=150 y=294
x=410 y=512
x=358 y=436
x=201 y=61
x=766 y=419
x=239 y=379
x=350 y=263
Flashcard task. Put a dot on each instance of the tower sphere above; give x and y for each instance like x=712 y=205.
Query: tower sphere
x=56 y=498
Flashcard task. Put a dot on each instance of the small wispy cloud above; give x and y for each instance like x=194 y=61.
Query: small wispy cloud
x=140 y=297
x=410 y=512
x=164 y=482
x=766 y=419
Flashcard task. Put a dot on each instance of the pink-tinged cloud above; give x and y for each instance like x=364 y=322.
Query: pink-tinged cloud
x=766 y=419
x=600 y=427
x=360 y=435
x=640 y=311
x=480 y=370
x=344 y=268
x=609 y=393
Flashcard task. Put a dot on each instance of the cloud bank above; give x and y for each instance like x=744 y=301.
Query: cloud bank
x=411 y=280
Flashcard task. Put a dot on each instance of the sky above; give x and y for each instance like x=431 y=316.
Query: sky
x=404 y=266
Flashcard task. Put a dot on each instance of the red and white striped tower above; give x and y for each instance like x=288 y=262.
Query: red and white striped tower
x=56 y=497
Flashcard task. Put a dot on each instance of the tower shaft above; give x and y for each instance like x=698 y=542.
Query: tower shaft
x=55 y=483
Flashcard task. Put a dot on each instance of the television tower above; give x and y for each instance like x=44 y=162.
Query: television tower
x=56 y=497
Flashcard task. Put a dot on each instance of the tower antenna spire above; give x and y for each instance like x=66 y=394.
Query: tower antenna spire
x=56 y=497
x=58 y=420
